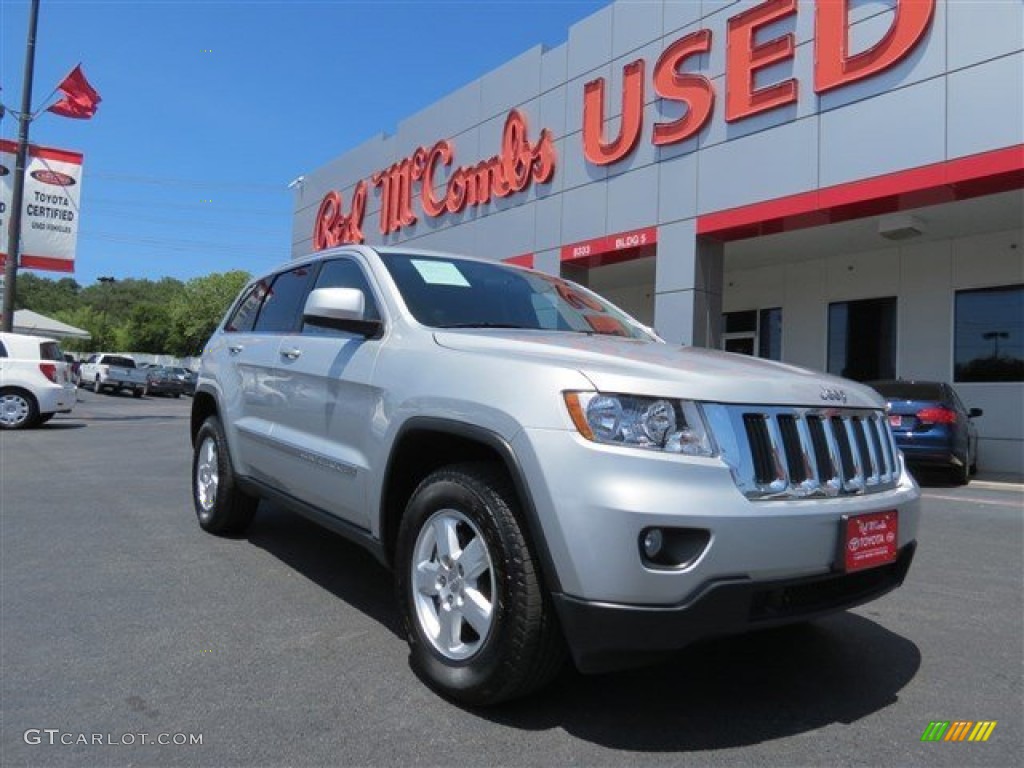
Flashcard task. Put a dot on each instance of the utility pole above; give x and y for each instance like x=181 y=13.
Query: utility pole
x=14 y=219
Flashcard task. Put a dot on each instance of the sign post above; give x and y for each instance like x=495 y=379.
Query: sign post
x=13 y=217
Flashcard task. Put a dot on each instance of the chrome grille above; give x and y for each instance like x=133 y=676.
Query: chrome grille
x=784 y=452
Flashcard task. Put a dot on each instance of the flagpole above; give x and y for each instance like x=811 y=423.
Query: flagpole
x=14 y=218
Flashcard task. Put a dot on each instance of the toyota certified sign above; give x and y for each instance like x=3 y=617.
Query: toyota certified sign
x=50 y=208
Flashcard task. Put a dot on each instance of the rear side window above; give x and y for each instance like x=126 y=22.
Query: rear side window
x=50 y=350
x=3 y=350
x=243 y=318
x=284 y=301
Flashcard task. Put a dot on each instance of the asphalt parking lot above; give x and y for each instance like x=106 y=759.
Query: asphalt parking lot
x=119 y=617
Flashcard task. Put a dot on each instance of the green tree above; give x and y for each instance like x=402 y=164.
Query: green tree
x=200 y=307
x=46 y=296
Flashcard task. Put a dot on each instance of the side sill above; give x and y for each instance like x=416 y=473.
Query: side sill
x=343 y=528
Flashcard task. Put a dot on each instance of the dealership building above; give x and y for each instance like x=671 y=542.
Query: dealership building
x=834 y=184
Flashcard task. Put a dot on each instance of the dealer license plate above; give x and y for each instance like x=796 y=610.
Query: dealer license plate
x=869 y=540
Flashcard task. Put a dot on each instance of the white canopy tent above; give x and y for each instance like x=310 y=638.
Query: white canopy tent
x=32 y=323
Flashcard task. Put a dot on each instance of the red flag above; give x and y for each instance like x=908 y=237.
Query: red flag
x=80 y=98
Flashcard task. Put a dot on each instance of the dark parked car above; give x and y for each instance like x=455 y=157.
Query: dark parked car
x=932 y=427
x=162 y=381
x=187 y=377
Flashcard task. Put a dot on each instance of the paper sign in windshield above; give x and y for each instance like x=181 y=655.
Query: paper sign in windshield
x=440 y=273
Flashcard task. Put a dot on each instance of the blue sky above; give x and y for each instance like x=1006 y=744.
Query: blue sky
x=229 y=101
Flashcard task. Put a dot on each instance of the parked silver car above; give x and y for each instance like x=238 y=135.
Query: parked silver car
x=538 y=468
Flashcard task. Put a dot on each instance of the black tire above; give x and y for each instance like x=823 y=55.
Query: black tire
x=138 y=392
x=522 y=647
x=18 y=409
x=97 y=387
x=960 y=474
x=177 y=395
x=221 y=507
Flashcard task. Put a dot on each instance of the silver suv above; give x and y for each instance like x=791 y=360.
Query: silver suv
x=540 y=470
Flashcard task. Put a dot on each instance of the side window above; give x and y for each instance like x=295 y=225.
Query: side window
x=3 y=350
x=243 y=318
x=343 y=273
x=50 y=350
x=92 y=359
x=283 y=302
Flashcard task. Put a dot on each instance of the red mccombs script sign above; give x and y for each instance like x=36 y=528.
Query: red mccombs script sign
x=748 y=52
x=507 y=173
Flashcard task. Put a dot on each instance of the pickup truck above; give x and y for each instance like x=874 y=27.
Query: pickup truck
x=542 y=472
x=112 y=373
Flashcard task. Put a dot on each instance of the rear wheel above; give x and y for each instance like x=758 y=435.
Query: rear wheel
x=480 y=626
x=18 y=409
x=221 y=507
x=960 y=474
x=138 y=392
x=97 y=387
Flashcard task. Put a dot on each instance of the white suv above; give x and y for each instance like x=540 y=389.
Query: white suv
x=538 y=468
x=35 y=381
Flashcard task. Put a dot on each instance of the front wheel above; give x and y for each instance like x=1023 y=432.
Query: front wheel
x=221 y=506
x=480 y=626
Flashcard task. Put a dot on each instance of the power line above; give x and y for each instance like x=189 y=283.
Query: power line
x=184 y=245
x=167 y=181
x=211 y=207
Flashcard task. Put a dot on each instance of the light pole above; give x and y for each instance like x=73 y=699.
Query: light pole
x=995 y=336
x=18 y=192
x=106 y=280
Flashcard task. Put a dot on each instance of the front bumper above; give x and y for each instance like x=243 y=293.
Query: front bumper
x=607 y=636
x=594 y=502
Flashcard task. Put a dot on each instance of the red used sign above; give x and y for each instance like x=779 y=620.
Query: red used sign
x=870 y=540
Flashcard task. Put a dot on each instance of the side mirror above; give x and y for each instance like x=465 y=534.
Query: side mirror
x=974 y=413
x=340 y=308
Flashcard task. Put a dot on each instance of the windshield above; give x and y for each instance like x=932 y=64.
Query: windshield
x=454 y=293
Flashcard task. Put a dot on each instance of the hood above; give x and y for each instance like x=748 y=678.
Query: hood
x=641 y=367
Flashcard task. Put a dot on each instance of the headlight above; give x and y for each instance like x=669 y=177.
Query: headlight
x=674 y=426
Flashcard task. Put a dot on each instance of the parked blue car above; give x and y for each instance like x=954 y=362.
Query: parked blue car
x=932 y=427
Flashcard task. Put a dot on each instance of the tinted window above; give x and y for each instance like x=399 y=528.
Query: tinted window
x=3 y=350
x=283 y=302
x=456 y=293
x=909 y=390
x=120 y=362
x=769 y=334
x=50 y=350
x=862 y=339
x=741 y=322
x=244 y=317
x=989 y=338
x=343 y=273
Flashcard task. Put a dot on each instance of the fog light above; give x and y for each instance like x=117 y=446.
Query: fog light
x=652 y=542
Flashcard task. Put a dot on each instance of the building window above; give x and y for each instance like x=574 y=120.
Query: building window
x=753 y=332
x=989 y=336
x=862 y=339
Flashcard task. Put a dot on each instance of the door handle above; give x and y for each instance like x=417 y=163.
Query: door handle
x=234 y=349
x=291 y=354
